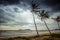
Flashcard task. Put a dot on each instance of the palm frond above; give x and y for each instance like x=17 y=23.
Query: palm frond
x=57 y=19
x=34 y=4
x=44 y=14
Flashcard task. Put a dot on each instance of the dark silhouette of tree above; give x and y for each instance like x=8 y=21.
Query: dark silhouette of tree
x=44 y=15
x=57 y=19
x=34 y=6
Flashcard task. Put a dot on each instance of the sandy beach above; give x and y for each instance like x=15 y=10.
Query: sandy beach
x=55 y=36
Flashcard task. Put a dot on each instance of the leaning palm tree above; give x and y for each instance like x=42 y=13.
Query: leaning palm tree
x=34 y=7
x=44 y=16
x=57 y=20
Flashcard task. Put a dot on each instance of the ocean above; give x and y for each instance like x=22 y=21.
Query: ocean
x=16 y=33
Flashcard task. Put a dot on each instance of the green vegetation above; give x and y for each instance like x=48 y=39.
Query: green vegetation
x=56 y=35
x=53 y=35
x=27 y=38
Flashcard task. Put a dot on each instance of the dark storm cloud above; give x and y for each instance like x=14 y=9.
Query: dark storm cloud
x=2 y=17
x=10 y=15
x=54 y=4
x=9 y=1
x=7 y=16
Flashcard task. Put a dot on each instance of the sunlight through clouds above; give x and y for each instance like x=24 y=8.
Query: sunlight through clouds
x=19 y=16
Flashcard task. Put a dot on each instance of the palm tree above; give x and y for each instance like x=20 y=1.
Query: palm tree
x=57 y=20
x=34 y=7
x=44 y=16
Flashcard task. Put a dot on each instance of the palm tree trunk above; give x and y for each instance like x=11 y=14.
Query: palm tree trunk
x=58 y=25
x=35 y=24
x=47 y=28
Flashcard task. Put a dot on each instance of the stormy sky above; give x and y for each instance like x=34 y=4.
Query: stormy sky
x=16 y=14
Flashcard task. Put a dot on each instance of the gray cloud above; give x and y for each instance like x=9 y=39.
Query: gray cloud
x=5 y=2
x=53 y=4
x=12 y=15
x=20 y=14
x=2 y=17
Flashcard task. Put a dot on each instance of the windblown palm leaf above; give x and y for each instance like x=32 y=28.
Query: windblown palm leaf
x=44 y=14
x=57 y=20
x=34 y=5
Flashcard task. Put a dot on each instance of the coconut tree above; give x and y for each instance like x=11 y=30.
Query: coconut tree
x=57 y=19
x=34 y=7
x=44 y=15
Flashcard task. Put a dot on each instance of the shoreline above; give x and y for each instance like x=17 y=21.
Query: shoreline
x=24 y=34
x=41 y=37
x=33 y=35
